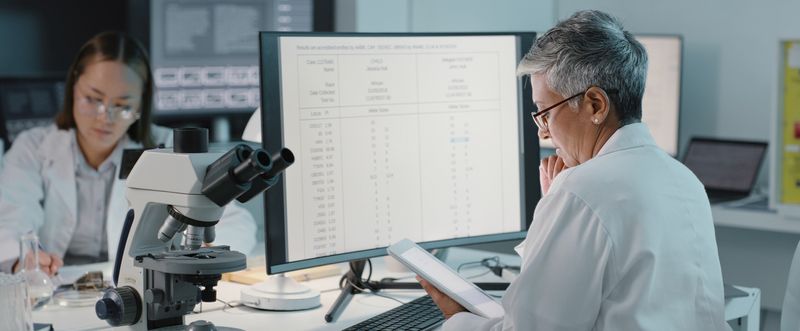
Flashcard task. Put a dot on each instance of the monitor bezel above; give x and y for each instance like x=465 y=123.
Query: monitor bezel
x=680 y=84
x=272 y=140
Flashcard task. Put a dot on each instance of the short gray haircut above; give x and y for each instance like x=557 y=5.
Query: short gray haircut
x=591 y=49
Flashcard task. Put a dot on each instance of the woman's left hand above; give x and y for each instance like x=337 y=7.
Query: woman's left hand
x=549 y=167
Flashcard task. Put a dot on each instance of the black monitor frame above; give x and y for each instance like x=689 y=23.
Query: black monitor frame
x=272 y=141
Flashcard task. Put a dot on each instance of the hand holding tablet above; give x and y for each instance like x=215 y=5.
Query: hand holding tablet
x=445 y=279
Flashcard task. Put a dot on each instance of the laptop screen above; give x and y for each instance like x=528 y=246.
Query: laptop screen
x=725 y=165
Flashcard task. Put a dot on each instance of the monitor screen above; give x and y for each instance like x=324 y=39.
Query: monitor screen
x=417 y=136
x=661 y=100
x=205 y=52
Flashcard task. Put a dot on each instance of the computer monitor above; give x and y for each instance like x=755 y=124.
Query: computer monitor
x=27 y=102
x=204 y=53
x=662 y=94
x=419 y=136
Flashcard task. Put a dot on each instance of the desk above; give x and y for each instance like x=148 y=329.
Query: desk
x=756 y=248
x=754 y=219
x=360 y=308
x=743 y=310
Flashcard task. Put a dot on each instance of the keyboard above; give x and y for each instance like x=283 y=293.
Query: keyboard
x=418 y=315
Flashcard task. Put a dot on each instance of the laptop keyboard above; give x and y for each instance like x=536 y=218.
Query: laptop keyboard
x=417 y=315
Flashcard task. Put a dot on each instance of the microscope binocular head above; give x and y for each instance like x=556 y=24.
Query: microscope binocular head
x=242 y=173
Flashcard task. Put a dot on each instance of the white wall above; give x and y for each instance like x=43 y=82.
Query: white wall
x=372 y=15
x=481 y=15
x=447 y=15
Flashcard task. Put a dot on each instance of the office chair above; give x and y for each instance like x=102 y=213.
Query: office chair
x=790 y=314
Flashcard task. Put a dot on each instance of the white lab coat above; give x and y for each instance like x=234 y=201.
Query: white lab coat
x=38 y=192
x=624 y=241
x=790 y=312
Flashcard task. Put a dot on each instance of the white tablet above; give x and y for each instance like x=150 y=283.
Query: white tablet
x=445 y=279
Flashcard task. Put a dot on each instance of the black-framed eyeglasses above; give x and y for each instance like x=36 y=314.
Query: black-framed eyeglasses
x=541 y=121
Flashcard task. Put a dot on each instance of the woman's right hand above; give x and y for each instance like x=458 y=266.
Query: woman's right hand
x=549 y=168
x=49 y=263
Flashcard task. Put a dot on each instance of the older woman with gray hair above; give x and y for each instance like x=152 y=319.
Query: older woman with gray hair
x=622 y=238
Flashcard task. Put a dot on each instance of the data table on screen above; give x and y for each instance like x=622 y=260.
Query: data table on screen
x=423 y=131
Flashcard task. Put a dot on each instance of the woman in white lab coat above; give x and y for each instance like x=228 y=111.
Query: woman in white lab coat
x=622 y=238
x=61 y=181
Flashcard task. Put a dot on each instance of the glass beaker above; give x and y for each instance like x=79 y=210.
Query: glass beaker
x=15 y=309
x=40 y=286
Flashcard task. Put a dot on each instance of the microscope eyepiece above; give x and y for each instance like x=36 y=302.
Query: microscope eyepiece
x=190 y=140
x=257 y=163
x=230 y=175
x=280 y=162
x=242 y=173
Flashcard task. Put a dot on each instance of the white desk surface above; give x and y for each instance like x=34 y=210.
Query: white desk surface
x=754 y=219
x=360 y=308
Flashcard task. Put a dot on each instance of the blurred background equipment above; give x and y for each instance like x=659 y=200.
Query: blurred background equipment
x=213 y=43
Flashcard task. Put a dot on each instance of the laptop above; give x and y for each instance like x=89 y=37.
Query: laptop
x=727 y=168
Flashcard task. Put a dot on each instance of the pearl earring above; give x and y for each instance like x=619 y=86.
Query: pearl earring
x=596 y=121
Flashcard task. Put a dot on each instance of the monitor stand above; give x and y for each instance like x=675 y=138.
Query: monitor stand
x=352 y=283
x=281 y=293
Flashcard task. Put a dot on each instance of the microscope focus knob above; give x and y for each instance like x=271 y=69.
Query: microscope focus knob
x=208 y=294
x=106 y=308
x=119 y=306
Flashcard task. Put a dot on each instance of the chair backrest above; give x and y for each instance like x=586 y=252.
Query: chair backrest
x=790 y=314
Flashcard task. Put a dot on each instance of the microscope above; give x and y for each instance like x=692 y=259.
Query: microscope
x=163 y=267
